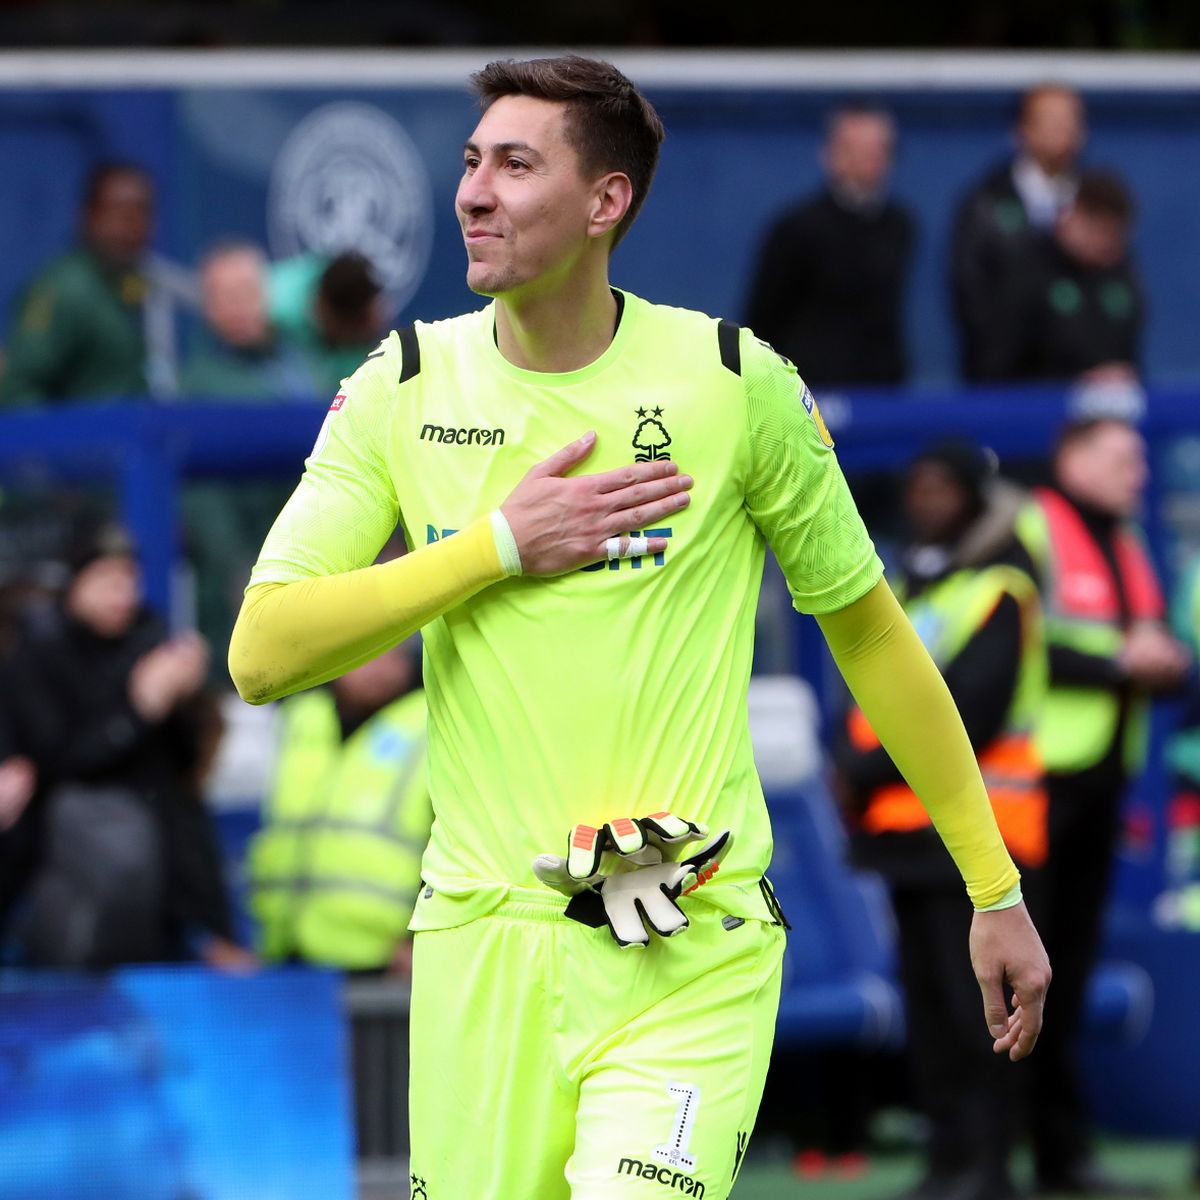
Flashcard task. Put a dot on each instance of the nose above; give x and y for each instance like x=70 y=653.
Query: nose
x=475 y=192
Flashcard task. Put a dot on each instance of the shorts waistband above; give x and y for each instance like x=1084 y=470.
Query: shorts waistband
x=526 y=904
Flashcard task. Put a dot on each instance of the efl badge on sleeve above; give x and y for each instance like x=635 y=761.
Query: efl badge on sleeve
x=810 y=406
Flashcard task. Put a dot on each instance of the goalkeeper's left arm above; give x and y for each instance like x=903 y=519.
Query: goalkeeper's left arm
x=907 y=703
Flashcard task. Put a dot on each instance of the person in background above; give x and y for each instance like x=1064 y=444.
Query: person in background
x=828 y=291
x=336 y=869
x=238 y=358
x=240 y=355
x=79 y=328
x=18 y=834
x=967 y=586
x=1109 y=649
x=1071 y=305
x=1178 y=907
x=333 y=309
x=995 y=219
x=114 y=718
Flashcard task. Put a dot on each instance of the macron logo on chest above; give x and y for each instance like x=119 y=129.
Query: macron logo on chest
x=454 y=435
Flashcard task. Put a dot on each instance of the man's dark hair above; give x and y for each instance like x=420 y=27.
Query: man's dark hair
x=101 y=174
x=609 y=123
x=1104 y=194
x=349 y=285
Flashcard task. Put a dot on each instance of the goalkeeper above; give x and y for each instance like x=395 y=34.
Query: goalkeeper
x=588 y=617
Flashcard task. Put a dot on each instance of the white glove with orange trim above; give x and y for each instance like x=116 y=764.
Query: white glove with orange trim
x=639 y=894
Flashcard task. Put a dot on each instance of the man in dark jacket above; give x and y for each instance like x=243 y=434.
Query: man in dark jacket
x=1070 y=304
x=113 y=717
x=1013 y=201
x=967 y=586
x=829 y=288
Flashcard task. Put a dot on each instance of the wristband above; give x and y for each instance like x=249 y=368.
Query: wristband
x=1010 y=899
x=506 y=544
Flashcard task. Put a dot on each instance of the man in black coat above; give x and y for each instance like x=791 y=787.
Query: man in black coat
x=1071 y=303
x=828 y=291
x=1013 y=202
x=113 y=716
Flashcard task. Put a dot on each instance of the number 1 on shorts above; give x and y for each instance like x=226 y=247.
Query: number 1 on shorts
x=674 y=1153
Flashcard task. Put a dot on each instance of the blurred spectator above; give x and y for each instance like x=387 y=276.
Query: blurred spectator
x=1179 y=904
x=1071 y=306
x=828 y=292
x=18 y=779
x=1109 y=649
x=240 y=357
x=337 y=867
x=334 y=310
x=998 y=215
x=968 y=588
x=99 y=321
x=113 y=716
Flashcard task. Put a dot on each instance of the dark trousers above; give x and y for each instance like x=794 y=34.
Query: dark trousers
x=961 y=1085
x=1067 y=900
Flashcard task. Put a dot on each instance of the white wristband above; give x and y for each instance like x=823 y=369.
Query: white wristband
x=506 y=544
x=1010 y=899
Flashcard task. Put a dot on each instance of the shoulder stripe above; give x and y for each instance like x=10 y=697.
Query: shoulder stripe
x=729 y=343
x=410 y=350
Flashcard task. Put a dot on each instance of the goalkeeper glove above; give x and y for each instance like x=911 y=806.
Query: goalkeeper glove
x=635 y=899
x=634 y=838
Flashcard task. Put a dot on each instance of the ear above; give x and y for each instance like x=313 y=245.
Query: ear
x=610 y=202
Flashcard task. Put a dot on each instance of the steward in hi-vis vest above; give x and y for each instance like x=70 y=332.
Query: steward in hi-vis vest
x=968 y=589
x=1094 y=589
x=1108 y=650
x=337 y=866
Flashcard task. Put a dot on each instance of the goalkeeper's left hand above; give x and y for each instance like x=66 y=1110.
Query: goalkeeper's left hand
x=639 y=897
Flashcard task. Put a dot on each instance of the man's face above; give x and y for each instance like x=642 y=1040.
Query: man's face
x=234 y=299
x=937 y=506
x=858 y=155
x=1107 y=468
x=118 y=224
x=1095 y=239
x=523 y=202
x=1052 y=130
x=106 y=594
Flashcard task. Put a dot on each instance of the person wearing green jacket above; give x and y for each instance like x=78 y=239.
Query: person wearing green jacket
x=78 y=331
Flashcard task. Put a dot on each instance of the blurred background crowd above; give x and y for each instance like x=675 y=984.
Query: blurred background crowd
x=1030 y=579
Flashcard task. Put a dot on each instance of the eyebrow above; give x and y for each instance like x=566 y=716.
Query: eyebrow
x=507 y=148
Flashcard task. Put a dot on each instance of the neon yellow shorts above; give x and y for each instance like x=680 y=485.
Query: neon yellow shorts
x=549 y=1064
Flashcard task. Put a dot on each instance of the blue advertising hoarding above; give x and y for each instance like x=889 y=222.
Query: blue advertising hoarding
x=318 y=153
x=174 y=1084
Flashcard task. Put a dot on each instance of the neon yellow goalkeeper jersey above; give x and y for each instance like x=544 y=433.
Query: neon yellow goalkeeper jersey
x=618 y=689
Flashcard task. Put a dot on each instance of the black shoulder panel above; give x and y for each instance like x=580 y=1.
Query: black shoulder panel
x=728 y=340
x=410 y=351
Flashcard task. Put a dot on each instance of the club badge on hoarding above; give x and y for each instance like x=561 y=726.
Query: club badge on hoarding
x=349 y=177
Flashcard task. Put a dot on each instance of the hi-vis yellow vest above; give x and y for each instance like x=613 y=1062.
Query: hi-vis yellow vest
x=1082 y=612
x=946 y=617
x=336 y=868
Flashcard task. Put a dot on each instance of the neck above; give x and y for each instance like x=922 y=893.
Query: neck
x=559 y=328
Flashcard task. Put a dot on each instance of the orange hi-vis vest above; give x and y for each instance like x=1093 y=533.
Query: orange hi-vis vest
x=1083 y=612
x=947 y=616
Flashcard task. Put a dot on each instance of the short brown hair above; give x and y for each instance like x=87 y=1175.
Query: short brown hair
x=609 y=123
x=1104 y=194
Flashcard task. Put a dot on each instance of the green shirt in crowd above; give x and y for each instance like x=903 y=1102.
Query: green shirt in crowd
x=77 y=333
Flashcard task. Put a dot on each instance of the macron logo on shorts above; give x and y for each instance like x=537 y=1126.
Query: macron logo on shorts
x=682 y=1183
x=338 y=401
